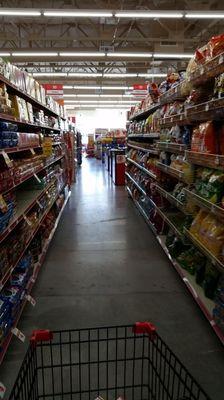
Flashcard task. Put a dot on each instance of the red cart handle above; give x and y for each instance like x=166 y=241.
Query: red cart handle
x=145 y=327
x=41 y=335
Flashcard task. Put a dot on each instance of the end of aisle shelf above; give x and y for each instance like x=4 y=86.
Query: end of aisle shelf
x=177 y=181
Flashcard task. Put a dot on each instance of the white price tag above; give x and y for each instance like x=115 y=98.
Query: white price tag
x=213 y=208
x=202 y=71
x=8 y=162
x=27 y=220
x=181 y=117
x=18 y=334
x=207 y=107
x=2 y=390
x=39 y=205
x=32 y=279
x=221 y=58
x=30 y=299
x=217 y=160
x=32 y=152
x=37 y=178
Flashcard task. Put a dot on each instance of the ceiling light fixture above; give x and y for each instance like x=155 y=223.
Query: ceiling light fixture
x=49 y=74
x=33 y=54
x=4 y=54
x=136 y=14
x=82 y=54
x=86 y=87
x=172 y=55
x=68 y=87
x=134 y=55
x=119 y=75
x=152 y=75
x=116 y=87
x=80 y=13
x=84 y=74
x=204 y=15
x=20 y=12
x=98 y=101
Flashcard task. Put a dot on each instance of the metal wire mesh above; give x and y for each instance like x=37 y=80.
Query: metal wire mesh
x=106 y=362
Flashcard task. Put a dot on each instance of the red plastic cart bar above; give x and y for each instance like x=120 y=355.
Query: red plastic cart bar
x=145 y=327
x=42 y=335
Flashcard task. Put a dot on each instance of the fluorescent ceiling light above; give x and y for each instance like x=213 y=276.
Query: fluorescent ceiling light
x=116 y=87
x=172 y=55
x=49 y=74
x=83 y=74
x=118 y=75
x=82 y=54
x=68 y=87
x=80 y=95
x=134 y=55
x=20 y=12
x=204 y=15
x=146 y=14
x=80 y=13
x=33 y=54
x=86 y=87
x=152 y=75
x=98 y=87
x=98 y=102
x=3 y=54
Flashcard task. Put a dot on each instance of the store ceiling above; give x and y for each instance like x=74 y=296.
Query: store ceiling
x=55 y=35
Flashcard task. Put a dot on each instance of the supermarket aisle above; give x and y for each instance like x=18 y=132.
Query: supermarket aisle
x=105 y=267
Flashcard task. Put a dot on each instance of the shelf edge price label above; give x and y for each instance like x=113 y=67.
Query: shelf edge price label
x=8 y=162
x=2 y=390
x=221 y=58
x=20 y=335
x=37 y=178
x=207 y=107
x=30 y=299
x=27 y=220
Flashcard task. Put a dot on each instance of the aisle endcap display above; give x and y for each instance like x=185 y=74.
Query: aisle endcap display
x=183 y=203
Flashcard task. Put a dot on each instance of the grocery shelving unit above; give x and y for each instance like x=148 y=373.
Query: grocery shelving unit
x=210 y=110
x=55 y=189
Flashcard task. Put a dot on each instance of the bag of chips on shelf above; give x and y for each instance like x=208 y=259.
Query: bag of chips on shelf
x=216 y=46
x=208 y=137
x=196 y=224
x=214 y=238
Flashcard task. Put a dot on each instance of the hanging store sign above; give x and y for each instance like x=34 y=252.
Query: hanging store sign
x=55 y=91
x=139 y=90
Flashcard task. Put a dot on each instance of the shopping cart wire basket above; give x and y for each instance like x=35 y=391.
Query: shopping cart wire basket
x=126 y=362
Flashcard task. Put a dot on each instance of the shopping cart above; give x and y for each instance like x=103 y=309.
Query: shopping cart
x=125 y=362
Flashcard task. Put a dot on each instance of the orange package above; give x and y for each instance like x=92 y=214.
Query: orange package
x=216 y=45
x=208 y=138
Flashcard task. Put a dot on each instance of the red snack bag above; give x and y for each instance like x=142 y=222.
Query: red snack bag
x=208 y=138
x=216 y=45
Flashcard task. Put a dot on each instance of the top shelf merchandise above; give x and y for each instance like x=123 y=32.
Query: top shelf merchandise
x=184 y=203
x=22 y=84
x=36 y=171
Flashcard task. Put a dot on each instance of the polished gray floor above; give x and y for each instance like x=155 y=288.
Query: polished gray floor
x=105 y=267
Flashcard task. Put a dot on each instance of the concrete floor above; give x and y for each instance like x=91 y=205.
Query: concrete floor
x=105 y=267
